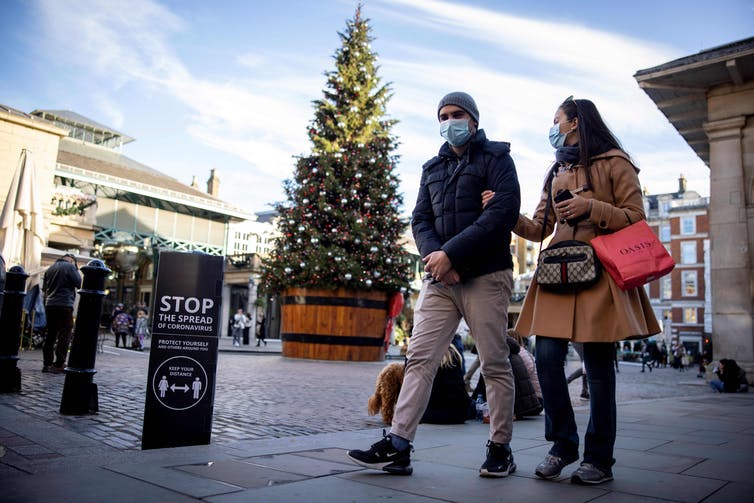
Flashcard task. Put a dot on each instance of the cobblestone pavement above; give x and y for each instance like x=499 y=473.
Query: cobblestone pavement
x=265 y=395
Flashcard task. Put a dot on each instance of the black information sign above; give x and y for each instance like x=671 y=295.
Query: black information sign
x=183 y=354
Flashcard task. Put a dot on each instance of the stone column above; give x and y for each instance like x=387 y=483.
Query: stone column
x=732 y=242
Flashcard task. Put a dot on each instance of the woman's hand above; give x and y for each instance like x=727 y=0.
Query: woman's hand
x=487 y=196
x=573 y=208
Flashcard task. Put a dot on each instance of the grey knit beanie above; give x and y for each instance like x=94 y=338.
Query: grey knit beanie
x=462 y=100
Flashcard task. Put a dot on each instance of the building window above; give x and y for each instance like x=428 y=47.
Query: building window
x=688 y=225
x=665 y=232
x=688 y=252
x=666 y=288
x=689 y=315
x=688 y=283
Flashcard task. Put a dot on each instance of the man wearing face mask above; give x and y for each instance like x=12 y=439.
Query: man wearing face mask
x=466 y=252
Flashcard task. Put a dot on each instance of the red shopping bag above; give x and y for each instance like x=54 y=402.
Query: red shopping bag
x=633 y=255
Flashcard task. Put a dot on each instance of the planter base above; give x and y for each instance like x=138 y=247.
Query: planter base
x=341 y=324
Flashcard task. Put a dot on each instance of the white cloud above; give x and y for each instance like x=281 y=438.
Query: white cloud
x=260 y=114
x=562 y=45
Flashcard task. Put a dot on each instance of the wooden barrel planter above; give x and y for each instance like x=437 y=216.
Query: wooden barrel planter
x=341 y=324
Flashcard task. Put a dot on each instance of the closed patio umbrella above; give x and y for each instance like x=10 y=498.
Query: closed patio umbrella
x=22 y=234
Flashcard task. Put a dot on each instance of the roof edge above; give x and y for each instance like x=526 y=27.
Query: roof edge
x=706 y=55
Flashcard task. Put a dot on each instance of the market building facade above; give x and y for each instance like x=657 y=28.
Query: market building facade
x=99 y=203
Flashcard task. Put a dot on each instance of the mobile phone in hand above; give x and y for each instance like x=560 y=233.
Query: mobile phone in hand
x=564 y=195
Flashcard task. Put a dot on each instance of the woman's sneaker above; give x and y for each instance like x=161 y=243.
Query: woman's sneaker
x=383 y=456
x=499 y=462
x=589 y=474
x=551 y=466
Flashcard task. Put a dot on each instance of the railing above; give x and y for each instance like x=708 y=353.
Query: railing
x=244 y=261
x=156 y=242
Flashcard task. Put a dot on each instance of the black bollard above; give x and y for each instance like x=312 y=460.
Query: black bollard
x=10 y=329
x=79 y=391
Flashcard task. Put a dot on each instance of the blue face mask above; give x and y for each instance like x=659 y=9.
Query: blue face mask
x=455 y=131
x=557 y=139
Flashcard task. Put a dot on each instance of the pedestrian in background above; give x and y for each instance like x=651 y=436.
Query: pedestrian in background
x=530 y=363
x=262 y=337
x=606 y=197
x=59 y=285
x=122 y=324
x=580 y=372
x=141 y=329
x=247 y=328
x=239 y=322
x=645 y=356
x=466 y=252
x=732 y=378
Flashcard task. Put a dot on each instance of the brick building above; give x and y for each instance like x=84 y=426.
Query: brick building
x=682 y=298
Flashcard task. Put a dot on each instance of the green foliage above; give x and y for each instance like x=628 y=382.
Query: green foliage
x=340 y=225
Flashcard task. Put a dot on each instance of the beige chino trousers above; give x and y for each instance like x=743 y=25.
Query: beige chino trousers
x=483 y=303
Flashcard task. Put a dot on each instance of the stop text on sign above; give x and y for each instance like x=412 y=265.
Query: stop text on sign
x=176 y=303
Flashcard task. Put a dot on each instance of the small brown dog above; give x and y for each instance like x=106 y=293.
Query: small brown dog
x=386 y=391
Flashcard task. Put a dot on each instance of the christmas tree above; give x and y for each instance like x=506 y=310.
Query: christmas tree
x=340 y=225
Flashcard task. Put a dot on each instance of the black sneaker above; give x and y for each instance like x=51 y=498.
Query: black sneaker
x=383 y=456
x=499 y=462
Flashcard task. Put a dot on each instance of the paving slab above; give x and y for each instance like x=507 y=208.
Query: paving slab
x=733 y=491
x=281 y=428
x=322 y=491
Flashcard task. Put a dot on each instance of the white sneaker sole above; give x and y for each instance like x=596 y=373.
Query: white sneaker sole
x=484 y=473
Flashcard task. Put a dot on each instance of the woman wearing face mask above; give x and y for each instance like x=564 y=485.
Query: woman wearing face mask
x=604 y=183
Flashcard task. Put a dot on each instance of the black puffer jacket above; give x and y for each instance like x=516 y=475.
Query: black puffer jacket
x=449 y=215
x=526 y=403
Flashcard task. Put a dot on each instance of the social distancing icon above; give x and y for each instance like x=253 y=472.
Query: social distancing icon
x=179 y=383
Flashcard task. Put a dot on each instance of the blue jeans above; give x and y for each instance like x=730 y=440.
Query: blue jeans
x=717 y=386
x=560 y=425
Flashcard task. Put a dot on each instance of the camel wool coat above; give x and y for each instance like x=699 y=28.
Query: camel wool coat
x=604 y=312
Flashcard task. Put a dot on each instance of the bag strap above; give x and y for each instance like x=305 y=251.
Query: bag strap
x=550 y=176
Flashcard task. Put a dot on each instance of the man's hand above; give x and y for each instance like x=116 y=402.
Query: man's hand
x=451 y=278
x=438 y=265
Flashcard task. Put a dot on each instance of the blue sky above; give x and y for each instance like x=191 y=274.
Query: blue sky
x=229 y=84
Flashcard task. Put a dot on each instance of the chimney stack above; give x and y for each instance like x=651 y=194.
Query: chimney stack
x=195 y=182
x=213 y=184
x=681 y=184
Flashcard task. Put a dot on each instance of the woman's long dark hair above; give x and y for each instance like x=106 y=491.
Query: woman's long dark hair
x=594 y=136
